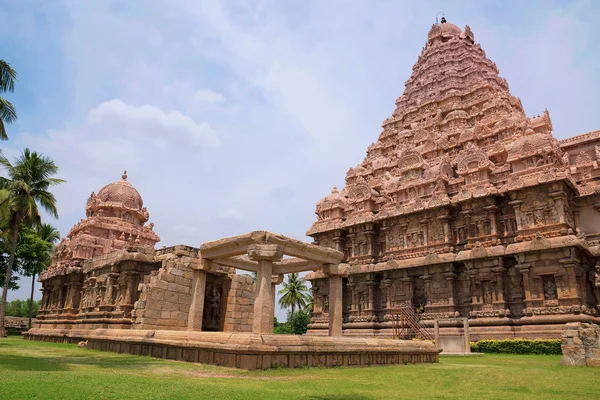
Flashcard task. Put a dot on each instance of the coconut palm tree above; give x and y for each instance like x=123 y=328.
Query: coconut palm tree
x=26 y=187
x=50 y=235
x=294 y=293
x=8 y=113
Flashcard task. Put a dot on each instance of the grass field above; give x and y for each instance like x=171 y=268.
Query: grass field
x=35 y=370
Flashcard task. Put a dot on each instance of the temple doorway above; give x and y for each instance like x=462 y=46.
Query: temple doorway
x=212 y=317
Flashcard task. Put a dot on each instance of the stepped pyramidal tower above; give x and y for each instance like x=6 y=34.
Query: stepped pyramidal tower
x=465 y=207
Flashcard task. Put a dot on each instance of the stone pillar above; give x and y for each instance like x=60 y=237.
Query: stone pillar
x=466 y=335
x=264 y=305
x=335 y=305
x=198 y=292
x=436 y=333
x=335 y=274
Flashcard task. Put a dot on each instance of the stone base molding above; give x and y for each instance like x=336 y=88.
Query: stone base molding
x=247 y=350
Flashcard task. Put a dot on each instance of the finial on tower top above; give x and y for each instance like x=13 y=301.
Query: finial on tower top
x=124 y=176
x=437 y=15
x=443 y=20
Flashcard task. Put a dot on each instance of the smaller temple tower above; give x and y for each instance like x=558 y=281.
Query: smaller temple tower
x=76 y=289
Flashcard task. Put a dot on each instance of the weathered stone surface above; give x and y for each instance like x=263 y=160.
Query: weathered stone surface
x=580 y=344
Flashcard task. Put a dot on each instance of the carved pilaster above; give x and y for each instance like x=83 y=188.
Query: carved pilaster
x=491 y=213
x=524 y=270
x=387 y=286
x=450 y=279
x=352 y=242
x=559 y=204
x=570 y=267
x=500 y=297
x=516 y=204
x=446 y=226
x=407 y=283
x=338 y=239
x=371 y=285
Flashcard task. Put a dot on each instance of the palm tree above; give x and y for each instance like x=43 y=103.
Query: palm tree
x=27 y=186
x=48 y=234
x=294 y=293
x=8 y=114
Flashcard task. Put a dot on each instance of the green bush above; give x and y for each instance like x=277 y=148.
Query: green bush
x=518 y=346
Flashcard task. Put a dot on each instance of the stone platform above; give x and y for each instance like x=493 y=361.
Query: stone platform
x=247 y=350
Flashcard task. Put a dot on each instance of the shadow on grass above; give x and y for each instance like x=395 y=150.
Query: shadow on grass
x=61 y=362
x=25 y=363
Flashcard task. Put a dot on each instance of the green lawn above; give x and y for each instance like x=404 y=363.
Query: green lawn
x=35 y=370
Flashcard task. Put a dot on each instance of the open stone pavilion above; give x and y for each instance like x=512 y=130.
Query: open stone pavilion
x=108 y=286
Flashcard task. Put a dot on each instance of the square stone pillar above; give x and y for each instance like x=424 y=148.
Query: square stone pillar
x=335 y=305
x=197 y=306
x=335 y=273
x=466 y=335
x=264 y=304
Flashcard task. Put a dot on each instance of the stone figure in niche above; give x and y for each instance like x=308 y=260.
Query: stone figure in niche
x=412 y=194
x=326 y=304
x=538 y=217
x=550 y=292
x=213 y=304
x=414 y=239
x=461 y=233
x=486 y=288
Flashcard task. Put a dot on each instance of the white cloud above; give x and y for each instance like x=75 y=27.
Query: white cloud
x=148 y=122
x=208 y=96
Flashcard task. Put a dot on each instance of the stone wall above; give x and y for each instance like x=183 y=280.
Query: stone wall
x=165 y=296
x=581 y=344
x=239 y=314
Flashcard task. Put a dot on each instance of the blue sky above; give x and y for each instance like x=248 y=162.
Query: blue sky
x=235 y=116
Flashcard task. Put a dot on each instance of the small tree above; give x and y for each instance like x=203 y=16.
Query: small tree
x=294 y=294
x=26 y=186
x=34 y=254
